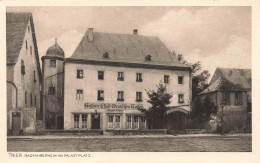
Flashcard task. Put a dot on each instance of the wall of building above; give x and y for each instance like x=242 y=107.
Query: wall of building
x=90 y=85
x=25 y=82
x=53 y=103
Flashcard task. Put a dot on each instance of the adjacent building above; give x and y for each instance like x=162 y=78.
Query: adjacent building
x=106 y=78
x=23 y=74
x=52 y=83
x=232 y=88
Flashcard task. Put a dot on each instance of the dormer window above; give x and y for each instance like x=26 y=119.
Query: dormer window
x=148 y=58
x=106 y=55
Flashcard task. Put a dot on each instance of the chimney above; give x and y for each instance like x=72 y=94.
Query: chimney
x=90 y=34
x=135 y=32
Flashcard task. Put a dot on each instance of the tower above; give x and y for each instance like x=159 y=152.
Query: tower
x=53 y=90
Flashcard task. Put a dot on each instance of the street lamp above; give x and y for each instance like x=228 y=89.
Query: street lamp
x=222 y=105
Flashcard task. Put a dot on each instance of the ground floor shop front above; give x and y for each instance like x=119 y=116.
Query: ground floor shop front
x=105 y=119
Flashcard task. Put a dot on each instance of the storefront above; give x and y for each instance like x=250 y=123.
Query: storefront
x=107 y=116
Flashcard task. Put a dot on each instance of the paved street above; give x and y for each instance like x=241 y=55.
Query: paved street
x=155 y=143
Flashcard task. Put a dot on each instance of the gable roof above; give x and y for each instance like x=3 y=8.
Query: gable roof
x=126 y=48
x=16 y=26
x=227 y=79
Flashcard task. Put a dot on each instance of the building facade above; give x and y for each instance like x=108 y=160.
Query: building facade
x=106 y=78
x=23 y=74
x=232 y=89
x=53 y=94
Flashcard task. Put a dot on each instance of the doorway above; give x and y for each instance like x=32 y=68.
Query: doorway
x=16 y=123
x=95 y=121
x=60 y=122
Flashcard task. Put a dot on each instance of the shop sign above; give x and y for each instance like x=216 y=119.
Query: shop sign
x=111 y=106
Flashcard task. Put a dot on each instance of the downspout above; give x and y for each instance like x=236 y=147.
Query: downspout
x=16 y=90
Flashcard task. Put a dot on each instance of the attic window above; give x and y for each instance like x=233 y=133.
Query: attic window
x=148 y=58
x=106 y=55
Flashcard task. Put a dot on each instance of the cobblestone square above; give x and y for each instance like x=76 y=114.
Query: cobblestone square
x=156 y=143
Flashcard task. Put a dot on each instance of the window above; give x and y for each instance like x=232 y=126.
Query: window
x=142 y=124
x=31 y=50
x=166 y=79
x=52 y=63
x=106 y=55
x=180 y=98
x=84 y=120
x=25 y=98
x=22 y=67
x=35 y=100
x=31 y=99
x=180 y=79
x=110 y=121
x=76 y=120
x=129 y=122
x=135 y=125
x=226 y=98
x=100 y=95
x=139 y=77
x=148 y=58
x=80 y=74
x=79 y=95
x=120 y=76
x=51 y=90
x=100 y=75
x=26 y=46
x=238 y=98
x=117 y=123
x=120 y=96
x=34 y=77
x=139 y=96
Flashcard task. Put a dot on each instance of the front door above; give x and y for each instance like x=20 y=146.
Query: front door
x=16 y=123
x=95 y=121
x=59 y=122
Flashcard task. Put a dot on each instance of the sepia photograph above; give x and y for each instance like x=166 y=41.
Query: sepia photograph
x=128 y=79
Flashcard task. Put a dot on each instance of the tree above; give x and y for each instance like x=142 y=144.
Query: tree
x=199 y=77
x=159 y=100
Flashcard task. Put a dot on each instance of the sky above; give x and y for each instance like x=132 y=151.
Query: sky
x=215 y=36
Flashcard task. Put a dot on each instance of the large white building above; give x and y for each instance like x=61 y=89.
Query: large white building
x=106 y=78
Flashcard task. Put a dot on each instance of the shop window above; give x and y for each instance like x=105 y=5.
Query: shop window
x=135 y=124
x=180 y=98
x=139 y=97
x=51 y=90
x=129 y=122
x=100 y=75
x=180 y=79
x=22 y=67
x=80 y=74
x=76 y=120
x=100 y=95
x=238 y=98
x=52 y=63
x=120 y=96
x=117 y=123
x=226 y=98
x=142 y=124
x=139 y=77
x=110 y=121
x=120 y=76
x=84 y=120
x=79 y=95
x=166 y=79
